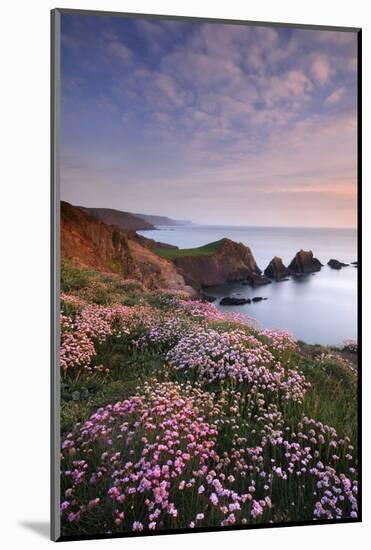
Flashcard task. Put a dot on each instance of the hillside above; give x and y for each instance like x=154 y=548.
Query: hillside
x=91 y=243
x=123 y=220
x=215 y=263
x=163 y=393
x=161 y=220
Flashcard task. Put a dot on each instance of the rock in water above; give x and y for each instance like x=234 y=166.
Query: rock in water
x=260 y=281
x=304 y=262
x=258 y=299
x=276 y=269
x=207 y=297
x=232 y=301
x=335 y=264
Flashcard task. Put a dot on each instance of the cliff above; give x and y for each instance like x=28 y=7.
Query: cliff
x=92 y=243
x=216 y=263
x=123 y=220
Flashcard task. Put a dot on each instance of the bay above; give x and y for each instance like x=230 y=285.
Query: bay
x=319 y=308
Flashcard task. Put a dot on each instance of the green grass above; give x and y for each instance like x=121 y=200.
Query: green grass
x=333 y=395
x=99 y=288
x=171 y=253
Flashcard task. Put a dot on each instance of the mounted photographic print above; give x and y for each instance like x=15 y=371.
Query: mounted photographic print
x=206 y=285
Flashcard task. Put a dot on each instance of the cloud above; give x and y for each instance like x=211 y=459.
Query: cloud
x=321 y=69
x=199 y=69
x=185 y=112
x=119 y=50
x=335 y=96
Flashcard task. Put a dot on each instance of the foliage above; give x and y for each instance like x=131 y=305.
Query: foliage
x=176 y=415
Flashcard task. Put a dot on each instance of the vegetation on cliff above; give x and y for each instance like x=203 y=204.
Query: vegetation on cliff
x=206 y=250
x=175 y=415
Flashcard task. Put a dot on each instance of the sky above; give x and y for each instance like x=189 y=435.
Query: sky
x=217 y=123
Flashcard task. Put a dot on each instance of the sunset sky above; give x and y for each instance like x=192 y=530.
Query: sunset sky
x=219 y=124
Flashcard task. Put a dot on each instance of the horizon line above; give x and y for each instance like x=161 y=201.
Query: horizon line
x=210 y=224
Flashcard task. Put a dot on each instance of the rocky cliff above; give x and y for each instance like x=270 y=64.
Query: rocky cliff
x=92 y=243
x=304 y=262
x=123 y=220
x=229 y=261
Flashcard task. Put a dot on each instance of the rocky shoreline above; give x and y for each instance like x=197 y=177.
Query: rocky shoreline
x=93 y=243
x=304 y=263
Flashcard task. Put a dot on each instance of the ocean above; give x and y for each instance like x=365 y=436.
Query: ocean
x=319 y=308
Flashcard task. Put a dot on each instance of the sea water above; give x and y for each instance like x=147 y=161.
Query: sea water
x=319 y=308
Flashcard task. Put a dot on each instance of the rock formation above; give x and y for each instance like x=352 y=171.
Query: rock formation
x=260 y=281
x=91 y=243
x=276 y=269
x=234 y=301
x=335 y=264
x=304 y=262
x=229 y=262
x=207 y=297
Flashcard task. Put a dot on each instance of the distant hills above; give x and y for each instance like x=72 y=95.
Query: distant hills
x=123 y=220
x=127 y=220
x=162 y=220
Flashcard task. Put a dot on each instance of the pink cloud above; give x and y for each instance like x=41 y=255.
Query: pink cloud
x=321 y=69
x=335 y=96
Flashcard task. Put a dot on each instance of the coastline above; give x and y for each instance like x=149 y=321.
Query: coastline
x=311 y=307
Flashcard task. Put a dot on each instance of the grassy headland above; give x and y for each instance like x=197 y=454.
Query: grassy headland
x=171 y=253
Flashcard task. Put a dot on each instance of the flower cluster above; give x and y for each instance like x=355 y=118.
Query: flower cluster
x=236 y=357
x=350 y=345
x=164 y=331
x=218 y=439
x=137 y=464
x=77 y=349
x=71 y=300
x=279 y=339
x=206 y=310
x=91 y=325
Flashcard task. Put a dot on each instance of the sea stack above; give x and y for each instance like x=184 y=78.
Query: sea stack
x=335 y=264
x=276 y=269
x=304 y=262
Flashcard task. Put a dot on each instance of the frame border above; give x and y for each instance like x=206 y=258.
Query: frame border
x=55 y=408
x=55 y=523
